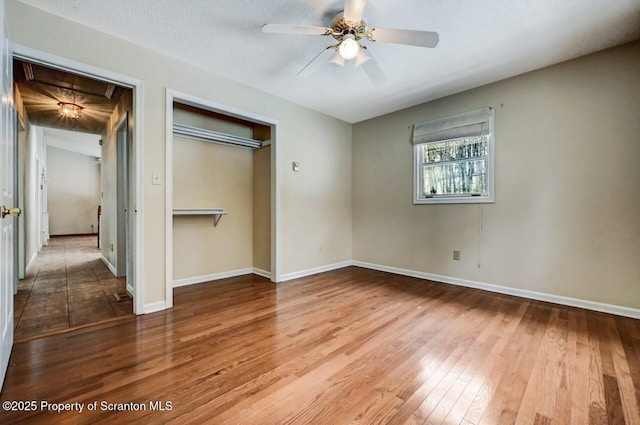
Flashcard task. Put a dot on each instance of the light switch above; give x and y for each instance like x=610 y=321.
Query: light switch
x=155 y=179
x=295 y=166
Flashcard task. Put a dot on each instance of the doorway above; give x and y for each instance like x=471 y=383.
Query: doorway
x=69 y=281
x=224 y=126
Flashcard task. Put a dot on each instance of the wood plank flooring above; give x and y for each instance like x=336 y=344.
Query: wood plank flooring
x=67 y=286
x=352 y=346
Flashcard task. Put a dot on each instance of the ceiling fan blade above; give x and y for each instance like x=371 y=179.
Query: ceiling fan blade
x=314 y=64
x=373 y=70
x=354 y=9
x=337 y=60
x=361 y=58
x=295 y=29
x=411 y=37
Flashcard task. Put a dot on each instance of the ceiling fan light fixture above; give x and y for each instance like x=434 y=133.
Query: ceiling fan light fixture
x=348 y=47
x=337 y=59
x=70 y=110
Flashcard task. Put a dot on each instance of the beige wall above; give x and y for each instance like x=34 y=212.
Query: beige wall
x=200 y=119
x=315 y=203
x=566 y=216
x=207 y=175
x=31 y=146
x=73 y=192
x=36 y=164
x=262 y=208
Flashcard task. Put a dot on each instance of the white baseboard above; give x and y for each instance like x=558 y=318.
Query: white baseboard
x=130 y=289
x=522 y=293
x=206 y=278
x=154 y=307
x=315 y=270
x=109 y=265
x=261 y=272
x=30 y=263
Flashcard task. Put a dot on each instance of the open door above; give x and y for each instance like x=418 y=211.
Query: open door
x=7 y=201
x=125 y=199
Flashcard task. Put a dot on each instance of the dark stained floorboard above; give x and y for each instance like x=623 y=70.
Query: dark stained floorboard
x=66 y=287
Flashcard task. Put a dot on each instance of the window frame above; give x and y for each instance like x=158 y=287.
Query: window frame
x=489 y=197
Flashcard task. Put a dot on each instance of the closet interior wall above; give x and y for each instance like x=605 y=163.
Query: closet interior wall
x=210 y=175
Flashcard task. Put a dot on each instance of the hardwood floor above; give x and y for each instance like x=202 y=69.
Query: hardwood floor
x=352 y=346
x=66 y=287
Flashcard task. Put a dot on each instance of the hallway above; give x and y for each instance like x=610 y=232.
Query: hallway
x=67 y=286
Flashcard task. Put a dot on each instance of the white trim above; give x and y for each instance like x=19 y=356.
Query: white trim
x=522 y=293
x=66 y=64
x=315 y=270
x=111 y=267
x=154 y=307
x=276 y=178
x=209 y=277
x=138 y=241
x=261 y=272
x=198 y=102
x=129 y=289
x=168 y=199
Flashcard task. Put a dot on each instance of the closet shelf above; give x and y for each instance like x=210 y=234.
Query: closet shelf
x=217 y=213
x=215 y=137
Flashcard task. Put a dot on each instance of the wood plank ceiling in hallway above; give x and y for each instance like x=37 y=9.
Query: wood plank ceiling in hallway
x=43 y=88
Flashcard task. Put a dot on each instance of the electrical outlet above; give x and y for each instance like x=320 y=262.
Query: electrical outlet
x=456 y=255
x=155 y=179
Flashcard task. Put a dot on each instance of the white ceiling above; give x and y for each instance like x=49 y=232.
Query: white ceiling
x=82 y=143
x=480 y=42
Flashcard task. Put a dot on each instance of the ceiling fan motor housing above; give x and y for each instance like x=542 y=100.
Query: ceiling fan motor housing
x=342 y=27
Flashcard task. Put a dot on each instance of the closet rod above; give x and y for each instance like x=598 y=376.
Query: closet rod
x=214 y=136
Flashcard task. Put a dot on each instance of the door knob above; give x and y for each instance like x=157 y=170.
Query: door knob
x=15 y=212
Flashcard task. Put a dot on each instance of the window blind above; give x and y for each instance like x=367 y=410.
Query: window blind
x=467 y=124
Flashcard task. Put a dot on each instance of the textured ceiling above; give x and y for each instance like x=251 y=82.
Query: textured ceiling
x=480 y=42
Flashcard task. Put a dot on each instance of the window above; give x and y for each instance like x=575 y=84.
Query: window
x=453 y=159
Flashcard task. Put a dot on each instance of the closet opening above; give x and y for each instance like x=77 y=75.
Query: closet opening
x=221 y=200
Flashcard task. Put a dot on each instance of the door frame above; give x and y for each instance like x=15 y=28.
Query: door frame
x=122 y=196
x=198 y=102
x=137 y=234
x=20 y=200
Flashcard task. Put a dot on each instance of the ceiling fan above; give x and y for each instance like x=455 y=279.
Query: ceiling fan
x=349 y=30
